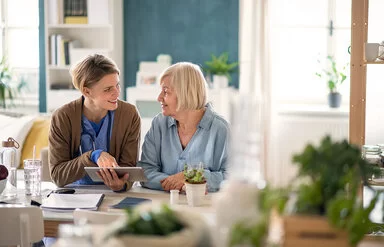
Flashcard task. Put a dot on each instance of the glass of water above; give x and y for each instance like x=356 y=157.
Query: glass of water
x=32 y=177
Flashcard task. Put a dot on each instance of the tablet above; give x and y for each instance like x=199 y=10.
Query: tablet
x=135 y=173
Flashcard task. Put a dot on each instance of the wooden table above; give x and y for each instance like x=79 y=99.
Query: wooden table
x=52 y=220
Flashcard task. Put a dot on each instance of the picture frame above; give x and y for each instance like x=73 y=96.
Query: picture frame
x=145 y=79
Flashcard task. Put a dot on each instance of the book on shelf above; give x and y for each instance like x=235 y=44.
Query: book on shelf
x=76 y=20
x=60 y=49
x=70 y=202
x=55 y=12
x=75 y=12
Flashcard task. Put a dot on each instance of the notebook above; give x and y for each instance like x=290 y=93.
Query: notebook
x=130 y=202
x=68 y=202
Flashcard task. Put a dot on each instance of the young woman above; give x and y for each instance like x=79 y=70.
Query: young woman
x=95 y=130
x=187 y=131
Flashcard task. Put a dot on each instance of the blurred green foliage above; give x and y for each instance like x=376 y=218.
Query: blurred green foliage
x=335 y=76
x=336 y=171
x=247 y=234
x=162 y=222
x=6 y=91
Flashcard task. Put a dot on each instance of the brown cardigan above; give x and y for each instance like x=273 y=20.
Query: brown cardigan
x=64 y=141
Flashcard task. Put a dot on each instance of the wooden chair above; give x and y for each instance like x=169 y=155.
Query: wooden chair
x=20 y=225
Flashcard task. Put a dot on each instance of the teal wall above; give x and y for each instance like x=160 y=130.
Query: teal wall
x=42 y=79
x=188 y=30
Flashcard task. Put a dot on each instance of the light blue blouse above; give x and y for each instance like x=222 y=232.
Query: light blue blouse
x=162 y=153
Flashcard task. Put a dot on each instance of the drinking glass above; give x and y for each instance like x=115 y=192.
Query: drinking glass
x=32 y=177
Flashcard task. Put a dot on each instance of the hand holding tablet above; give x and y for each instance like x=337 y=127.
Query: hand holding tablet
x=135 y=173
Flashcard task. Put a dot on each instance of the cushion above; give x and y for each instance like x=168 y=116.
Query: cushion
x=38 y=136
x=16 y=127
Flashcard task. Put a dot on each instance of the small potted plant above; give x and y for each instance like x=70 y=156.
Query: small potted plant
x=195 y=184
x=220 y=69
x=334 y=77
x=157 y=225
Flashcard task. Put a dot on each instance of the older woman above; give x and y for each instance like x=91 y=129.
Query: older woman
x=187 y=131
x=95 y=130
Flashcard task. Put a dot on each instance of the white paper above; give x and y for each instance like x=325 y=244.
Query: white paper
x=72 y=201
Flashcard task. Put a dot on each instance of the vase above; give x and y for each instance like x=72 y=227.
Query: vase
x=334 y=99
x=220 y=81
x=237 y=200
x=195 y=194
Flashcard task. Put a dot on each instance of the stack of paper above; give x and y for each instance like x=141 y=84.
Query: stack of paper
x=67 y=202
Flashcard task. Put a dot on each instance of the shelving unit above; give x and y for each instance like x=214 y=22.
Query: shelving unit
x=358 y=72
x=357 y=115
x=92 y=38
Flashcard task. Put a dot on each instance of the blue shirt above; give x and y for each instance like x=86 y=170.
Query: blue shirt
x=162 y=153
x=95 y=137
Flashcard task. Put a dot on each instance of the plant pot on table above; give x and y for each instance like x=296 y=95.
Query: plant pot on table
x=195 y=193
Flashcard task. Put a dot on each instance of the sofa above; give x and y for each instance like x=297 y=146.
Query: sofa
x=28 y=131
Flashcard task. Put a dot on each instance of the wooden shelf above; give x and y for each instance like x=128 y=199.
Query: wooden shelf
x=376 y=183
x=87 y=26
x=375 y=62
x=53 y=67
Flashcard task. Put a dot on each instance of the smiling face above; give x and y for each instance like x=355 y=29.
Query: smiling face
x=167 y=98
x=104 y=94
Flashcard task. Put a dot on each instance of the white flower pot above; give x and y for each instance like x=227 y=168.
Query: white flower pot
x=220 y=81
x=195 y=194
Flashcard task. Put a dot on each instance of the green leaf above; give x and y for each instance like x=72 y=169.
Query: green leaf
x=333 y=75
x=220 y=65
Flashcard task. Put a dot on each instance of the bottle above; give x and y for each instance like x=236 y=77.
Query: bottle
x=245 y=177
x=8 y=159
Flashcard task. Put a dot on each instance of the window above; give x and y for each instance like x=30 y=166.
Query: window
x=303 y=32
x=19 y=41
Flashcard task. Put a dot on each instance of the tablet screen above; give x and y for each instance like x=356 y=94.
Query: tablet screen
x=135 y=173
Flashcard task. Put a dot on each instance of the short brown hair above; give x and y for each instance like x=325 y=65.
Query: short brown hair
x=92 y=69
x=189 y=83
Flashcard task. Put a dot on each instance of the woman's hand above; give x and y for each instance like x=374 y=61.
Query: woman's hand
x=106 y=160
x=111 y=179
x=173 y=182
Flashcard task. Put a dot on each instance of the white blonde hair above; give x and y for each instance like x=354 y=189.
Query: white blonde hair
x=189 y=83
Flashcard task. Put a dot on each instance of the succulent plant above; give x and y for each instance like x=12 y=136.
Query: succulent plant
x=194 y=175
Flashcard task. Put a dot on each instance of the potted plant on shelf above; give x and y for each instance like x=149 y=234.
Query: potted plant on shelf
x=195 y=184
x=334 y=77
x=220 y=69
